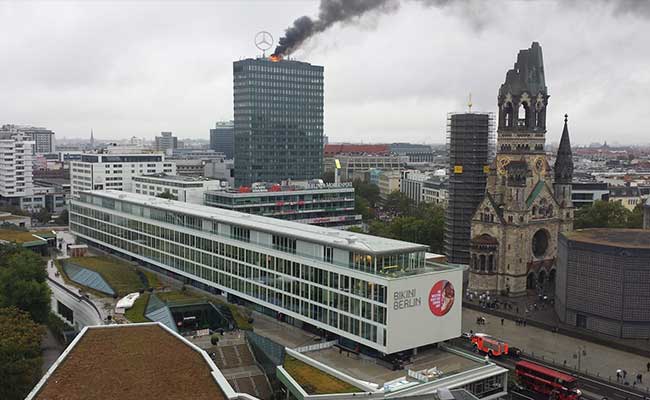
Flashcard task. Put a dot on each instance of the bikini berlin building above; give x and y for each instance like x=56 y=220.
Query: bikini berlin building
x=371 y=291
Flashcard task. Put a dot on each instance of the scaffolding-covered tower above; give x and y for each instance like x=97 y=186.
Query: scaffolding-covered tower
x=471 y=146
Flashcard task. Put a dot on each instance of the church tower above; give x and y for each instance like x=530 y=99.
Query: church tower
x=515 y=228
x=563 y=174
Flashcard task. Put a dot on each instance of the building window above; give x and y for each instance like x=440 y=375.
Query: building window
x=328 y=254
x=284 y=243
x=239 y=233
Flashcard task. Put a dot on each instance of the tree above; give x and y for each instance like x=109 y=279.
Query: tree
x=20 y=353
x=635 y=220
x=399 y=203
x=425 y=226
x=22 y=282
x=43 y=216
x=368 y=191
x=603 y=214
x=63 y=218
x=328 y=177
x=167 y=195
x=361 y=206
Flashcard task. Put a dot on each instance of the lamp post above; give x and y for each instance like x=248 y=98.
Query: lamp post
x=581 y=351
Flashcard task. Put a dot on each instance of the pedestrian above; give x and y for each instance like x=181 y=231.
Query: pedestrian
x=640 y=377
x=524 y=321
x=501 y=321
x=619 y=373
x=624 y=374
x=648 y=363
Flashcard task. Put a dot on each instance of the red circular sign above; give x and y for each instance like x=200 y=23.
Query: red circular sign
x=441 y=298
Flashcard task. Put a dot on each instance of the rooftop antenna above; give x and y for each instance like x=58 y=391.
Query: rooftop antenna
x=469 y=103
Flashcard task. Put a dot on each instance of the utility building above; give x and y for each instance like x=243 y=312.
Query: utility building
x=278 y=109
x=469 y=140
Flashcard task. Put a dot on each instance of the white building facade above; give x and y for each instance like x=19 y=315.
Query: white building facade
x=183 y=188
x=16 y=165
x=376 y=292
x=114 y=171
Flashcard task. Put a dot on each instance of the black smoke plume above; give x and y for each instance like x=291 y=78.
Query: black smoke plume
x=474 y=11
x=330 y=13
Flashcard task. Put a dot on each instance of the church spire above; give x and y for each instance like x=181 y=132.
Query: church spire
x=564 y=161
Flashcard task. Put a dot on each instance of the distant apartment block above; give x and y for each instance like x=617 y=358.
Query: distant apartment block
x=183 y=188
x=585 y=194
x=320 y=204
x=389 y=182
x=16 y=165
x=43 y=138
x=166 y=142
x=628 y=196
x=222 y=138
x=114 y=171
x=356 y=165
x=425 y=188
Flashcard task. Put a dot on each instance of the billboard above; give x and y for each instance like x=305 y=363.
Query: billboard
x=423 y=309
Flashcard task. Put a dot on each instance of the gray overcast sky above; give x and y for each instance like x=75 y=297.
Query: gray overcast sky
x=137 y=68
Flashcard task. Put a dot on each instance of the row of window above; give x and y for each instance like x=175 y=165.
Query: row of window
x=198 y=245
x=339 y=310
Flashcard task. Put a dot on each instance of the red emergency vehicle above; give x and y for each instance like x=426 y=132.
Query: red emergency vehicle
x=540 y=379
x=489 y=345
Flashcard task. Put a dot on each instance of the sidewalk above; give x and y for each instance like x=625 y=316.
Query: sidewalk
x=543 y=316
x=106 y=306
x=588 y=357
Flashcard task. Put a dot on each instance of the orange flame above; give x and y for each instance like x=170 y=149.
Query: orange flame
x=275 y=58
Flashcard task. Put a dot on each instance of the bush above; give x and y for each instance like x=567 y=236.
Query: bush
x=214 y=339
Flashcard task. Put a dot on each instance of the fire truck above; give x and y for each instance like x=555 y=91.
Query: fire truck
x=489 y=345
x=540 y=379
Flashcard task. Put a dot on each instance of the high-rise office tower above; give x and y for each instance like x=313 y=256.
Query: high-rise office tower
x=222 y=138
x=278 y=109
x=469 y=139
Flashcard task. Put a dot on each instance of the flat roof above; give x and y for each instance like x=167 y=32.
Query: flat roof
x=626 y=238
x=328 y=236
x=135 y=361
x=177 y=178
x=19 y=237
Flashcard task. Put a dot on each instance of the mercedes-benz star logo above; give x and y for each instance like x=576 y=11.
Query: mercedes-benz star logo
x=263 y=40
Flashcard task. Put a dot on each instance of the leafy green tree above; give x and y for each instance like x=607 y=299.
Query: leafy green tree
x=399 y=203
x=20 y=353
x=22 y=282
x=361 y=206
x=43 y=216
x=603 y=214
x=63 y=218
x=368 y=191
x=167 y=195
x=328 y=177
x=635 y=220
x=425 y=225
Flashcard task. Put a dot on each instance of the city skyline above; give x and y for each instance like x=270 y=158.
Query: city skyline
x=143 y=71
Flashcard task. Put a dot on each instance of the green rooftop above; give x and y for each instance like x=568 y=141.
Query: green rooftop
x=314 y=381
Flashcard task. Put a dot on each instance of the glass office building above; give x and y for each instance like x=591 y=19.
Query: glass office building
x=372 y=291
x=278 y=111
x=330 y=205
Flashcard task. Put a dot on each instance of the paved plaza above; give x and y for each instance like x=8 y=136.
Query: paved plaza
x=594 y=359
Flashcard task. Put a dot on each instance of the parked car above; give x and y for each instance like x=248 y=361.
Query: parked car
x=514 y=352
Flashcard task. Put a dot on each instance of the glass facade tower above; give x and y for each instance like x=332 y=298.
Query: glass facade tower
x=278 y=110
